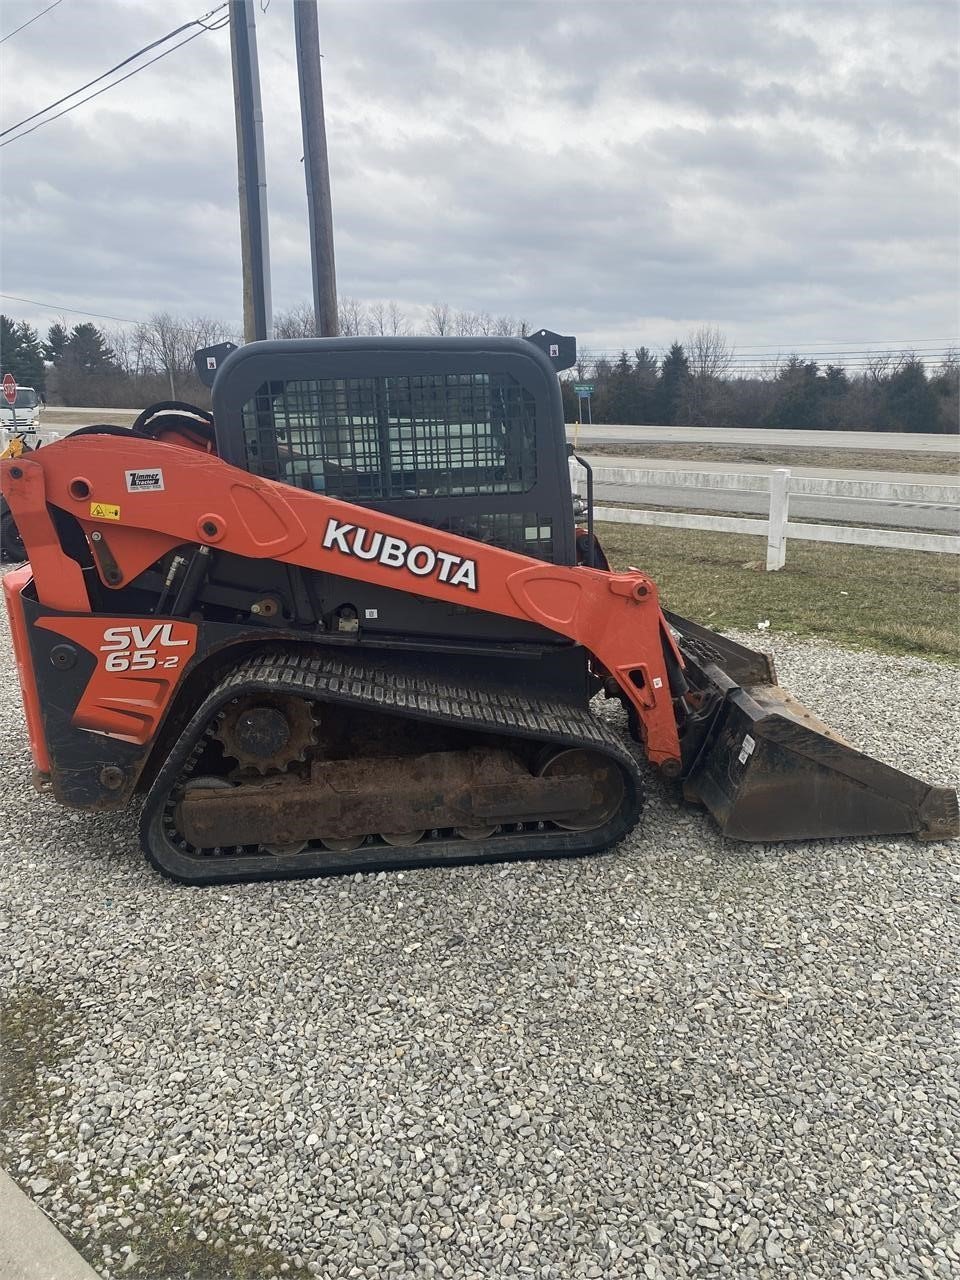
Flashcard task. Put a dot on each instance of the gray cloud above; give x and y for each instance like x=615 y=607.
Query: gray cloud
x=624 y=171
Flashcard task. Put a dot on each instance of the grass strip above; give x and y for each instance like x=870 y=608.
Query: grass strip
x=940 y=464
x=899 y=602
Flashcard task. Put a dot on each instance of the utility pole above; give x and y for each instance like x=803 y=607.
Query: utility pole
x=316 y=169
x=254 y=241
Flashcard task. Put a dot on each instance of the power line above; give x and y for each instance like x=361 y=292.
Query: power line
x=827 y=344
x=855 y=357
x=50 y=306
x=773 y=353
x=863 y=360
x=837 y=348
x=200 y=22
x=112 y=85
x=23 y=25
x=97 y=79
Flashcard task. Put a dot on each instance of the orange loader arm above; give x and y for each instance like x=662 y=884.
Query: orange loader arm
x=207 y=502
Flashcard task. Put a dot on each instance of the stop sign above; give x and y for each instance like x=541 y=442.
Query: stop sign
x=9 y=388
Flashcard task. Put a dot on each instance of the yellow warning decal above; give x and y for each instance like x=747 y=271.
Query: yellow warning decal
x=104 y=511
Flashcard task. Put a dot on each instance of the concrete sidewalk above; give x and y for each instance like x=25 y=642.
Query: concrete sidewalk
x=31 y=1247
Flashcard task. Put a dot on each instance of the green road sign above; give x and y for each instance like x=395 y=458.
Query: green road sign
x=583 y=388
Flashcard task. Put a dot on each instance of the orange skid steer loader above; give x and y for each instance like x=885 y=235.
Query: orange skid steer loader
x=349 y=621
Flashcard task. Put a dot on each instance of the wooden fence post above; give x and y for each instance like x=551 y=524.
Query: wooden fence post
x=777 y=528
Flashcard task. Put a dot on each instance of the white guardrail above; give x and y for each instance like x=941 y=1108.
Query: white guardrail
x=777 y=526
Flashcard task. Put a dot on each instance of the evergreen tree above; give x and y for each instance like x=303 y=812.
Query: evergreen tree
x=8 y=339
x=946 y=386
x=835 y=390
x=570 y=405
x=674 y=376
x=622 y=402
x=797 y=395
x=21 y=353
x=911 y=402
x=645 y=367
x=56 y=343
x=86 y=350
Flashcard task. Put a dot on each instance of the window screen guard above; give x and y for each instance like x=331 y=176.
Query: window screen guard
x=413 y=435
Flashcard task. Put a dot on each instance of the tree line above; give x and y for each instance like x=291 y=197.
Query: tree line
x=695 y=383
x=129 y=368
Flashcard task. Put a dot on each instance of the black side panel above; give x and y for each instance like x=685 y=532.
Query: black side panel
x=92 y=770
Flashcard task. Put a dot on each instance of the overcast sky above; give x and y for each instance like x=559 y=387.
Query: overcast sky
x=620 y=171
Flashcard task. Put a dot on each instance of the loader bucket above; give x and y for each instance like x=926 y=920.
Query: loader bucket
x=768 y=769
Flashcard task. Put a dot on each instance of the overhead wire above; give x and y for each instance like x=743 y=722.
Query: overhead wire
x=195 y=22
x=772 y=353
x=90 y=97
x=870 y=344
x=50 y=306
x=853 y=363
x=864 y=359
x=29 y=22
x=828 y=344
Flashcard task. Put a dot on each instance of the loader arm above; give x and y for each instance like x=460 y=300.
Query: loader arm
x=208 y=503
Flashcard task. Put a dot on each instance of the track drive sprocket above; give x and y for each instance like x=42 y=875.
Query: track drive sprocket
x=266 y=732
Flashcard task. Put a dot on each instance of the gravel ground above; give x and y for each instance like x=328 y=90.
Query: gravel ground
x=689 y=1057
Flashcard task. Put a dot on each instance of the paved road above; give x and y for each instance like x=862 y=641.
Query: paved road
x=609 y=434
x=888 y=440
x=871 y=511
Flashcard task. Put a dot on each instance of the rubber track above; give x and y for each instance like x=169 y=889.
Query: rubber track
x=330 y=679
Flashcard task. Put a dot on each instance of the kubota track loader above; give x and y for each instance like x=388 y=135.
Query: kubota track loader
x=349 y=622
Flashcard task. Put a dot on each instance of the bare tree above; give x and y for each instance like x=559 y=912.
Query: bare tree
x=377 y=319
x=298 y=322
x=882 y=367
x=709 y=353
x=167 y=344
x=504 y=327
x=440 y=320
x=709 y=357
x=467 y=324
x=398 y=326
x=126 y=345
x=352 y=315
x=386 y=319
x=161 y=337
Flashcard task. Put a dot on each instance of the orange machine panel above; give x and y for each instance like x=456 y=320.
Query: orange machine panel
x=13 y=584
x=139 y=663
x=204 y=500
